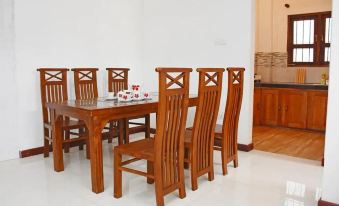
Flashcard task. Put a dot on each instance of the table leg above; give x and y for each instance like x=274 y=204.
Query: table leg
x=57 y=136
x=95 y=127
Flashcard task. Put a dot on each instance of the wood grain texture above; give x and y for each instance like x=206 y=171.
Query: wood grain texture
x=292 y=142
x=164 y=153
x=229 y=132
x=199 y=141
x=53 y=88
x=271 y=109
x=39 y=150
x=293 y=108
x=317 y=110
x=118 y=81
x=256 y=106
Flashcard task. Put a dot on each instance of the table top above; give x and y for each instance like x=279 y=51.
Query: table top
x=103 y=103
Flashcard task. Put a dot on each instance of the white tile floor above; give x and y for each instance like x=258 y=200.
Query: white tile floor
x=262 y=179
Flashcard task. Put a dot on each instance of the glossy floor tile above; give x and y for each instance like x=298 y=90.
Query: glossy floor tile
x=262 y=179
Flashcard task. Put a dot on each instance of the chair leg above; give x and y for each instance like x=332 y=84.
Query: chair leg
x=117 y=175
x=182 y=190
x=211 y=174
x=81 y=131
x=111 y=133
x=150 y=170
x=121 y=132
x=186 y=164
x=223 y=161
x=235 y=161
x=126 y=125
x=67 y=137
x=46 y=142
x=159 y=194
x=194 y=180
x=148 y=126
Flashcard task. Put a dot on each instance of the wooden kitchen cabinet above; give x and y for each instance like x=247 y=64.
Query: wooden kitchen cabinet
x=317 y=110
x=270 y=108
x=293 y=108
x=289 y=107
x=256 y=107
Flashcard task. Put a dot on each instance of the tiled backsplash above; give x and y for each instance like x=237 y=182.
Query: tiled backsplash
x=272 y=66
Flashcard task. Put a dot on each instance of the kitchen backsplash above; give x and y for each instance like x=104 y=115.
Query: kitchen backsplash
x=272 y=66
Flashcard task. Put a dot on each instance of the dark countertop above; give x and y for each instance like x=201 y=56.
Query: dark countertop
x=291 y=85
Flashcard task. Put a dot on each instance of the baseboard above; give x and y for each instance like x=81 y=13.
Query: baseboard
x=323 y=161
x=324 y=203
x=40 y=150
x=245 y=147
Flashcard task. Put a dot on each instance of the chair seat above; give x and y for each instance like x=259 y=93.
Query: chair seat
x=142 y=149
x=68 y=124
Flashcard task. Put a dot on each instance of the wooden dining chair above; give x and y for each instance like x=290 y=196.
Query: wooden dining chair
x=86 y=87
x=199 y=140
x=53 y=87
x=165 y=152
x=118 y=81
x=85 y=83
x=226 y=135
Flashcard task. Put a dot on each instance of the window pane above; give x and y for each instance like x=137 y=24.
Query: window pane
x=303 y=55
x=303 y=32
x=328 y=30
x=327 y=55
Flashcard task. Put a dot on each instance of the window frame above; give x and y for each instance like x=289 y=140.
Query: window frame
x=319 y=39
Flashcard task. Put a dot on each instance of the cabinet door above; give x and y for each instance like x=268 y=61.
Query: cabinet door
x=294 y=108
x=256 y=106
x=270 y=106
x=317 y=110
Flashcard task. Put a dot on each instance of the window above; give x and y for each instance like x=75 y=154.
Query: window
x=309 y=39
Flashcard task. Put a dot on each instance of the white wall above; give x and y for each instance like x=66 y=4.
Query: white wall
x=9 y=146
x=331 y=169
x=130 y=33
x=77 y=33
x=201 y=33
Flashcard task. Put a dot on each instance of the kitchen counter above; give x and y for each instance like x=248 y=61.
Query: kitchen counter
x=291 y=85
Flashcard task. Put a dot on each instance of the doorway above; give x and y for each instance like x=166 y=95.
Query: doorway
x=292 y=50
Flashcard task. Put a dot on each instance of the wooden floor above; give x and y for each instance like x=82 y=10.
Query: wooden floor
x=291 y=142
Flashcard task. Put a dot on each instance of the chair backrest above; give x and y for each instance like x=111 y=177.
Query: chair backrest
x=117 y=79
x=210 y=86
x=85 y=83
x=171 y=123
x=53 y=87
x=232 y=111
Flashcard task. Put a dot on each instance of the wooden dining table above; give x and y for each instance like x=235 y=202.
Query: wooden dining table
x=96 y=113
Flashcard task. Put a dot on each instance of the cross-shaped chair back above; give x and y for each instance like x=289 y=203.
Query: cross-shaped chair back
x=85 y=83
x=232 y=111
x=210 y=86
x=117 y=79
x=53 y=87
x=171 y=123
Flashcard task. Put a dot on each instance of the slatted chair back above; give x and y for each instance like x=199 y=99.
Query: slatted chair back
x=209 y=93
x=53 y=87
x=85 y=83
x=171 y=122
x=117 y=79
x=232 y=111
